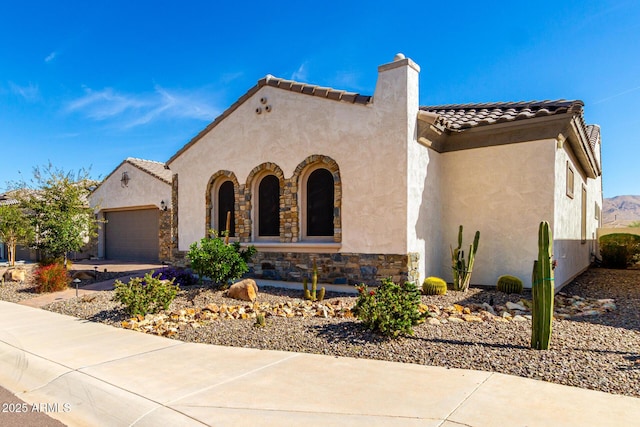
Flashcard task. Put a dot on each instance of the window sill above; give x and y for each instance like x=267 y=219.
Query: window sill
x=324 y=247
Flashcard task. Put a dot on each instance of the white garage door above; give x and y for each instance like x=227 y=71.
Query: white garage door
x=132 y=235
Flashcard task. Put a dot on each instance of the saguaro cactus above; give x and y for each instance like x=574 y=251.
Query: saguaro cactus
x=462 y=268
x=542 y=289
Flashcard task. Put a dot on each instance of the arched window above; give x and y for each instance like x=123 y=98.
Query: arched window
x=319 y=203
x=226 y=203
x=269 y=207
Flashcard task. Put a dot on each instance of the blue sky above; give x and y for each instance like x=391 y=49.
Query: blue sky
x=89 y=83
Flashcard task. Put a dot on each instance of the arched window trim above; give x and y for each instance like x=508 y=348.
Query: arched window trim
x=216 y=207
x=302 y=190
x=255 y=208
x=211 y=200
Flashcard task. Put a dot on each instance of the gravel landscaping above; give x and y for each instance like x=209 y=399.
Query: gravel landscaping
x=595 y=342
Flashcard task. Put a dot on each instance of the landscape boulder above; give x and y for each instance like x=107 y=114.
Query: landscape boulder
x=15 y=275
x=245 y=290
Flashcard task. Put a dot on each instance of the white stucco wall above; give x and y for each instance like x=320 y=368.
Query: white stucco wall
x=368 y=142
x=143 y=191
x=572 y=253
x=424 y=225
x=504 y=192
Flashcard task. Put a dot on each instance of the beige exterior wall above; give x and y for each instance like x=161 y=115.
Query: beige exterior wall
x=142 y=191
x=424 y=225
x=368 y=143
x=572 y=252
x=504 y=192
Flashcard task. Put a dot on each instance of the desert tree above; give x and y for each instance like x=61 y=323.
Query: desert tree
x=14 y=228
x=58 y=208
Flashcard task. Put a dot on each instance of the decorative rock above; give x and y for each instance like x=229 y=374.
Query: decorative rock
x=471 y=318
x=15 y=275
x=519 y=318
x=433 y=321
x=515 y=306
x=246 y=290
x=489 y=308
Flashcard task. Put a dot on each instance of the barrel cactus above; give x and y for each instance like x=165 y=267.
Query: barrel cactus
x=434 y=286
x=509 y=284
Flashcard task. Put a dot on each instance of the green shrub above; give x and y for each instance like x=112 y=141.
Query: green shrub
x=509 y=284
x=51 y=278
x=614 y=256
x=145 y=295
x=391 y=309
x=219 y=262
x=434 y=286
x=618 y=250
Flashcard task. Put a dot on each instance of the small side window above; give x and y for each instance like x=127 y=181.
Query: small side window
x=570 y=180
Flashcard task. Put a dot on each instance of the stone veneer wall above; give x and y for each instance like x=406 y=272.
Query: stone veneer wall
x=165 y=231
x=339 y=268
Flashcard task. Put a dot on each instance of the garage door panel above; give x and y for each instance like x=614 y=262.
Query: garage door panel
x=132 y=235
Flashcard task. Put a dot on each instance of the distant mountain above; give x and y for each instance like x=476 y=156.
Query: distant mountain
x=620 y=211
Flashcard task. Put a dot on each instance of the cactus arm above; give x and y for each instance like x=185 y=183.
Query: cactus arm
x=305 y=286
x=535 y=321
x=314 y=281
x=476 y=241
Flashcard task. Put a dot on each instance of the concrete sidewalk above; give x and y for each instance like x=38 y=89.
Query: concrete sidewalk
x=87 y=373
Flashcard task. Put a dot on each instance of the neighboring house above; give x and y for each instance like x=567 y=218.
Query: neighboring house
x=376 y=186
x=134 y=202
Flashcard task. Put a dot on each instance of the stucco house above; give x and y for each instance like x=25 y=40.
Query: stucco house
x=133 y=204
x=376 y=186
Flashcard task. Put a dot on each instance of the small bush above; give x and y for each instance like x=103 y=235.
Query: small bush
x=619 y=250
x=614 y=256
x=149 y=295
x=51 y=278
x=509 y=284
x=434 y=286
x=391 y=309
x=219 y=262
x=182 y=277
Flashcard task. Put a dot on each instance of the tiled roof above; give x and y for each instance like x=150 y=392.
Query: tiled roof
x=5 y=200
x=456 y=117
x=319 y=91
x=157 y=169
x=593 y=133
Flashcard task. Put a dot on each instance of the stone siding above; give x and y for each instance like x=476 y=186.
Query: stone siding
x=165 y=231
x=338 y=268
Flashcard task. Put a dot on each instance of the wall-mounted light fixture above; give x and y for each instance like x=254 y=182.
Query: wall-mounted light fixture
x=124 y=180
x=163 y=205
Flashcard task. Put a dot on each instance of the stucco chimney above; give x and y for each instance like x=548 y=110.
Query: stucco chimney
x=398 y=84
